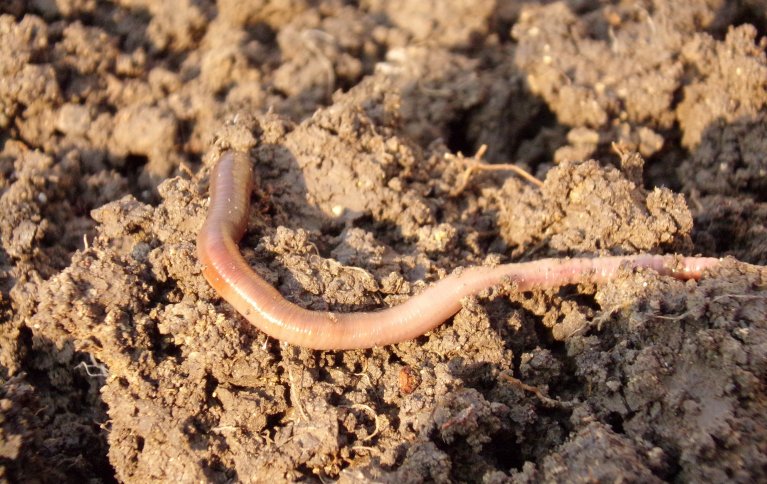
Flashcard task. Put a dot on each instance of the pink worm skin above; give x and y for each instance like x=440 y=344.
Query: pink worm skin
x=262 y=305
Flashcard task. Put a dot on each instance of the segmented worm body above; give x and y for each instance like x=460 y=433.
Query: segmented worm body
x=263 y=306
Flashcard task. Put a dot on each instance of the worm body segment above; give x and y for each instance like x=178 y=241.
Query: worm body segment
x=262 y=305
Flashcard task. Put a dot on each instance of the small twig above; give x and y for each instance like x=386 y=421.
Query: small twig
x=372 y=412
x=94 y=369
x=264 y=435
x=314 y=246
x=545 y=400
x=363 y=374
x=509 y=167
x=295 y=394
x=459 y=418
x=184 y=168
x=672 y=318
x=105 y=426
x=476 y=164
x=716 y=298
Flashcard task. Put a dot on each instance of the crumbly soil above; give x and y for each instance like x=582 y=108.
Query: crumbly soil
x=646 y=122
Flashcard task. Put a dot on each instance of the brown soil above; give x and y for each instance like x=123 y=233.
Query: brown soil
x=646 y=121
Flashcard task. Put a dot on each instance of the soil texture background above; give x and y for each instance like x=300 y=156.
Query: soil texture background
x=369 y=123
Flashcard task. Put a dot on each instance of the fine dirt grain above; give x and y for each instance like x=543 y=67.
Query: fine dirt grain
x=645 y=121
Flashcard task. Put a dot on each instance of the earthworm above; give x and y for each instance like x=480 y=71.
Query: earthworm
x=262 y=305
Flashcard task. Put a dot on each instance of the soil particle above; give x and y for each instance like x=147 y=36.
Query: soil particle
x=734 y=69
x=684 y=375
x=28 y=87
x=578 y=206
x=725 y=225
x=643 y=121
x=146 y=131
x=596 y=442
x=452 y=24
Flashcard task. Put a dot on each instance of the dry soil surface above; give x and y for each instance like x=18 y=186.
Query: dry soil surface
x=645 y=120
